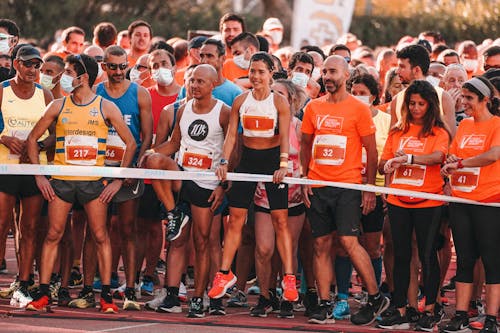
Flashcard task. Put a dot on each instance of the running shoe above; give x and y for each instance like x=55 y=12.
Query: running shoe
x=412 y=314
x=108 y=307
x=323 y=314
x=361 y=297
x=393 y=320
x=222 y=282
x=177 y=219
x=119 y=293
x=262 y=309
x=76 y=278
x=476 y=309
x=215 y=307
x=286 y=310
x=450 y=286
x=275 y=301
x=182 y=292
x=170 y=304
x=97 y=285
x=490 y=326
x=20 y=298
x=196 y=308
x=160 y=295
x=458 y=324
x=478 y=324
x=369 y=312
x=341 y=310
x=147 y=287
x=289 y=285
x=161 y=266
x=238 y=299
x=55 y=284
x=428 y=321
x=130 y=302
x=39 y=304
x=254 y=289
x=63 y=297
x=85 y=299
x=310 y=301
x=7 y=292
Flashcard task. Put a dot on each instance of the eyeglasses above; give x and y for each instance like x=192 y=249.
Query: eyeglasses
x=113 y=66
x=80 y=61
x=139 y=67
x=98 y=58
x=31 y=63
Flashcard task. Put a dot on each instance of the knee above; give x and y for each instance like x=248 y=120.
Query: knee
x=155 y=161
x=127 y=230
x=263 y=253
x=201 y=242
x=100 y=236
x=349 y=243
x=54 y=235
x=322 y=246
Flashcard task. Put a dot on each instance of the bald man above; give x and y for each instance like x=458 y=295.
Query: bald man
x=97 y=53
x=198 y=136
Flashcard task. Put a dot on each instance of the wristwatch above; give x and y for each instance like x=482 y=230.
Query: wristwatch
x=41 y=145
x=223 y=161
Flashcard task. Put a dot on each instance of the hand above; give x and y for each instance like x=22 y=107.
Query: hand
x=452 y=159
x=221 y=172
x=449 y=168
x=144 y=158
x=279 y=175
x=45 y=187
x=15 y=145
x=447 y=188
x=110 y=190
x=455 y=95
x=24 y=158
x=296 y=197
x=394 y=163
x=399 y=152
x=306 y=192
x=368 y=202
x=216 y=198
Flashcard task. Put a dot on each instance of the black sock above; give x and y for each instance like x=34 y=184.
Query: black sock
x=44 y=289
x=87 y=289
x=224 y=272
x=462 y=314
x=374 y=298
x=106 y=293
x=24 y=284
x=173 y=291
x=333 y=288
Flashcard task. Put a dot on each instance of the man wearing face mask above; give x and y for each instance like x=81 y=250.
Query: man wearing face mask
x=273 y=27
x=467 y=51
x=135 y=104
x=9 y=36
x=300 y=69
x=50 y=74
x=22 y=104
x=243 y=47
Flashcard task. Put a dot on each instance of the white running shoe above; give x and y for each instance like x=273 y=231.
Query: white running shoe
x=20 y=298
x=160 y=295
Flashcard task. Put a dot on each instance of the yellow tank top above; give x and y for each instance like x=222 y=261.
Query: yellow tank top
x=19 y=116
x=81 y=132
x=400 y=97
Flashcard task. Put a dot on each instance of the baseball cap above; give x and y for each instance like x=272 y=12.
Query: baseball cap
x=196 y=42
x=28 y=52
x=272 y=23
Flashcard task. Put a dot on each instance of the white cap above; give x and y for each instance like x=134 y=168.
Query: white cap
x=272 y=23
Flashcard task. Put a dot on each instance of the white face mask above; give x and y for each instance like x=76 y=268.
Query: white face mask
x=163 y=76
x=316 y=74
x=46 y=81
x=241 y=62
x=300 y=79
x=135 y=75
x=276 y=36
x=364 y=99
x=67 y=83
x=433 y=80
x=4 y=44
x=470 y=65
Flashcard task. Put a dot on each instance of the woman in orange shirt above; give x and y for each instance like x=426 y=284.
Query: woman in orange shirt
x=474 y=170
x=412 y=157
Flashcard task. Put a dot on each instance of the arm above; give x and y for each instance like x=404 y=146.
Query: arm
x=449 y=113
x=146 y=116
x=370 y=145
x=394 y=117
x=305 y=158
x=163 y=128
x=171 y=146
x=453 y=163
x=284 y=128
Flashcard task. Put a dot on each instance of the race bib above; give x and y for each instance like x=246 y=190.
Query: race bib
x=197 y=160
x=115 y=149
x=80 y=149
x=410 y=174
x=465 y=179
x=257 y=123
x=329 y=149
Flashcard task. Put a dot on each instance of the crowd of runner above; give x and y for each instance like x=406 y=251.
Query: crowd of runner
x=419 y=115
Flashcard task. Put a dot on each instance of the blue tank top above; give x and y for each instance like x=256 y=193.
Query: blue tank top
x=128 y=103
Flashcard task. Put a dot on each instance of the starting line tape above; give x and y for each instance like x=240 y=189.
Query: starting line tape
x=138 y=173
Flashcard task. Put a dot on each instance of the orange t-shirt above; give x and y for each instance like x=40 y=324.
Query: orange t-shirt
x=232 y=72
x=179 y=76
x=384 y=107
x=472 y=139
x=337 y=129
x=416 y=177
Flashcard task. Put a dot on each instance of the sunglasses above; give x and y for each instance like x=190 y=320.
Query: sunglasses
x=99 y=58
x=113 y=66
x=31 y=63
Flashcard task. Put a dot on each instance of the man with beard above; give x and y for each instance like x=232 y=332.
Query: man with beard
x=140 y=34
x=230 y=26
x=334 y=129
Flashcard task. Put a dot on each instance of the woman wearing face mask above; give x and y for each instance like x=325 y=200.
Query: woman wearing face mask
x=265 y=119
x=474 y=170
x=365 y=88
x=412 y=155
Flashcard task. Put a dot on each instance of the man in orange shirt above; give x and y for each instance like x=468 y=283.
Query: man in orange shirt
x=335 y=127
x=230 y=26
x=140 y=34
x=243 y=47
x=72 y=42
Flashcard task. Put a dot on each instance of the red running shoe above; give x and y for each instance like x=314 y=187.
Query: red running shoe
x=222 y=282
x=39 y=304
x=289 y=285
x=108 y=307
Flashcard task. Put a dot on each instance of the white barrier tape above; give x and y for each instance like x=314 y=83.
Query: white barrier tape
x=82 y=171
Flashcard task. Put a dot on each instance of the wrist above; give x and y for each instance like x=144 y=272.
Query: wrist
x=409 y=158
x=151 y=151
x=460 y=164
x=284 y=164
x=223 y=161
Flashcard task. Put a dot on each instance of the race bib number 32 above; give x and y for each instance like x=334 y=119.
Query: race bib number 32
x=329 y=149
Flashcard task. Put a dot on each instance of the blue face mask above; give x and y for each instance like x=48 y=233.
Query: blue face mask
x=66 y=83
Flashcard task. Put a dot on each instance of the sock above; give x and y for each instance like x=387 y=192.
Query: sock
x=87 y=289
x=374 y=298
x=106 y=293
x=303 y=283
x=137 y=277
x=173 y=291
x=343 y=272
x=333 y=289
x=24 y=284
x=462 y=314
x=377 y=267
x=272 y=292
x=224 y=272
x=44 y=289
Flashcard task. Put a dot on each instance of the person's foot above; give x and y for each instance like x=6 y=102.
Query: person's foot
x=286 y=310
x=76 y=278
x=63 y=297
x=412 y=314
x=323 y=314
x=238 y=299
x=427 y=322
x=490 y=326
x=130 y=302
x=39 y=304
x=222 y=282
x=393 y=320
x=458 y=324
x=21 y=298
x=108 y=307
x=170 y=304
x=289 y=285
x=177 y=220
x=341 y=310
x=215 y=307
x=196 y=308
x=85 y=299
x=147 y=287
x=262 y=308
x=153 y=304
x=310 y=302
x=371 y=310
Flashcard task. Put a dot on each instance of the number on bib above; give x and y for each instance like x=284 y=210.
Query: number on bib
x=197 y=161
x=114 y=154
x=410 y=174
x=257 y=123
x=465 y=179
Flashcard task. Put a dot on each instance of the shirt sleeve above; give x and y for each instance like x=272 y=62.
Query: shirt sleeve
x=388 y=153
x=307 y=120
x=365 y=125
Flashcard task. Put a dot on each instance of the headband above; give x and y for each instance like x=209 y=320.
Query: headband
x=480 y=85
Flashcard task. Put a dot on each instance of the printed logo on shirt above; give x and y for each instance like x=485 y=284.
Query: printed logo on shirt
x=473 y=141
x=330 y=123
x=93 y=112
x=198 y=130
x=412 y=144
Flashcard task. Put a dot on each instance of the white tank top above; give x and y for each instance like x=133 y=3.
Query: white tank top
x=202 y=138
x=259 y=118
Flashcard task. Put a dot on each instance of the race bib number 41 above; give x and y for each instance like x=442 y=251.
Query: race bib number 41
x=329 y=149
x=465 y=179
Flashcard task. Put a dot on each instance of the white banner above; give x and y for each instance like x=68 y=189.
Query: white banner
x=320 y=22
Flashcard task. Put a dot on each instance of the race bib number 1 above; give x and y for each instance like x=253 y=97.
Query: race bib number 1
x=257 y=123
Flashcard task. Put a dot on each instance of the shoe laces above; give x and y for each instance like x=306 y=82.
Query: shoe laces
x=219 y=280
x=289 y=282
